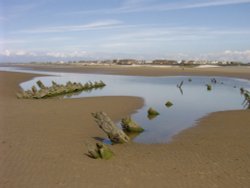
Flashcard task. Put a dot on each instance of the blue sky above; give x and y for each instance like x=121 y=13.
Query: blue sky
x=147 y=29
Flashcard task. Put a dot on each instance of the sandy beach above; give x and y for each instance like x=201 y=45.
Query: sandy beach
x=239 y=72
x=42 y=142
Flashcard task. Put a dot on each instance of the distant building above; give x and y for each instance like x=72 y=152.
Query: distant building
x=126 y=62
x=164 y=62
x=107 y=62
x=188 y=62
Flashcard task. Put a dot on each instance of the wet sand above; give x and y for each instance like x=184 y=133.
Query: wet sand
x=43 y=144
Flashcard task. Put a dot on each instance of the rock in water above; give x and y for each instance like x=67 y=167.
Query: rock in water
x=168 y=104
x=115 y=134
x=131 y=126
x=209 y=87
x=153 y=112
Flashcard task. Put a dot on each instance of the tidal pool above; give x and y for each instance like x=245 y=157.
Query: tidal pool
x=190 y=104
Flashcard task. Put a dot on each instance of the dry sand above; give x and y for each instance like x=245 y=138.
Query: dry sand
x=42 y=144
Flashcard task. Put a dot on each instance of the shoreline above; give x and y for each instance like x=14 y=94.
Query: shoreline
x=201 y=156
x=231 y=71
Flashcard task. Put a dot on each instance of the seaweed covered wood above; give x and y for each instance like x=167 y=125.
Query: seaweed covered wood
x=115 y=134
x=130 y=125
x=58 y=89
x=100 y=150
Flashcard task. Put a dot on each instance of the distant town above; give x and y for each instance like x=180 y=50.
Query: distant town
x=156 y=62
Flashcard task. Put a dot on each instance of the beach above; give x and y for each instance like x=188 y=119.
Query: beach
x=43 y=141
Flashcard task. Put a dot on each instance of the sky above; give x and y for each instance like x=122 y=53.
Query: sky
x=54 y=30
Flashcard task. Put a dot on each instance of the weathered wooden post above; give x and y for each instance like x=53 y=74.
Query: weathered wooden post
x=115 y=134
x=54 y=90
x=40 y=84
x=34 y=90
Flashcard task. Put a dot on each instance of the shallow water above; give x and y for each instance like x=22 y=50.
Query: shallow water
x=190 y=104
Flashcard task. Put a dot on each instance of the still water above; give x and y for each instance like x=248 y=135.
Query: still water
x=190 y=104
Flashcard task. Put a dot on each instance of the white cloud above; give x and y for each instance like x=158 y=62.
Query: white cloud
x=229 y=52
x=186 y=5
x=151 y=5
x=20 y=55
x=24 y=53
x=105 y=24
x=201 y=4
x=227 y=55
x=237 y=55
x=5 y=53
x=138 y=7
x=9 y=53
x=160 y=34
x=67 y=54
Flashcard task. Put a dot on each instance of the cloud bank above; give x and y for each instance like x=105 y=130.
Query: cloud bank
x=22 y=56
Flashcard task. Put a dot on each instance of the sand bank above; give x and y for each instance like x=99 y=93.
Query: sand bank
x=42 y=145
x=236 y=71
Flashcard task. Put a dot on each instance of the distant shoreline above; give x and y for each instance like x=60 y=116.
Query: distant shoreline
x=203 y=70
